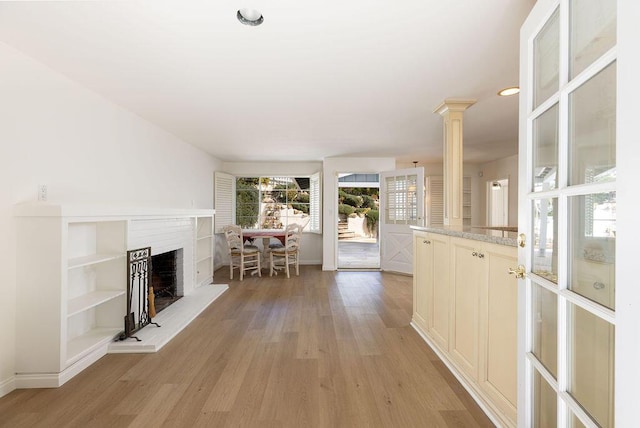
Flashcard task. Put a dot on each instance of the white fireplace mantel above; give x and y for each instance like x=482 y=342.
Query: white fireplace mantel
x=44 y=209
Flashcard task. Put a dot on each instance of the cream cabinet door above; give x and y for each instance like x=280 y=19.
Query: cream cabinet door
x=438 y=321
x=465 y=289
x=431 y=286
x=465 y=302
x=498 y=328
x=422 y=258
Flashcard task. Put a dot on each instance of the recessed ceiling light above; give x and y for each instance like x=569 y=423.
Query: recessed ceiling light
x=512 y=90
x=250 y=17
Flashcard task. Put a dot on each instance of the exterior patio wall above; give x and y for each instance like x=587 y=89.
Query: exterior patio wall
x=358 y=225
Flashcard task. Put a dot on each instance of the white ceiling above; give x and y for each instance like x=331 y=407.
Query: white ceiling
x=317 y=79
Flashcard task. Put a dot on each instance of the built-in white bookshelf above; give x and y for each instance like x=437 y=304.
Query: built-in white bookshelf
x=72 y=286
x=91 y=300
x=96 y=284
x=204 y=250
x=72 y=280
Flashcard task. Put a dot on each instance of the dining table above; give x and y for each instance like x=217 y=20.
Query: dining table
x=264 y=234
x=249 y=235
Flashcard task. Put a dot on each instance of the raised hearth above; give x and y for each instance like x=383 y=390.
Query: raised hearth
x=172 y=320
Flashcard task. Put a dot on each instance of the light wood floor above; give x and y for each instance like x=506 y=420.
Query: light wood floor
x=325 y=349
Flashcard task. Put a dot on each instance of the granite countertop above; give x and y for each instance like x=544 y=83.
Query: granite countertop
x=501 y=235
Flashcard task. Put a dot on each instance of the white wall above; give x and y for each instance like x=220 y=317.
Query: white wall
x=88 y=151
x=311 y=245
x=493 y=171
x=331 y=168
x=498 y=203
x=253 y=169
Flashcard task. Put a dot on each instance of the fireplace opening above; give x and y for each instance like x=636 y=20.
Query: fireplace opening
x=166 y=278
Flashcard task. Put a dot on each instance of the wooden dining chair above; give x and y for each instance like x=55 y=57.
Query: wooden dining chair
x=246 y=258
x=287 y=254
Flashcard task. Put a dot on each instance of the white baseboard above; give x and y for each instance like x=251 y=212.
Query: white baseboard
x=39 y=380
x=7 y=385
x=55 y=380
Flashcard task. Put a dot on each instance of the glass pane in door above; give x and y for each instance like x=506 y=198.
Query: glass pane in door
x=592 y=129
x=545 y=328
x=545 y=150
x=576 y=423
x=412 y=201
x=592 y=244
x=545 y=403
x=593 y=31
x=545 y=246
x=391 y=205
x=401 y=197
x=546 y=57
x=591 y=363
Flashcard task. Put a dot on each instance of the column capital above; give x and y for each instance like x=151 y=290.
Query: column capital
x=454 y=105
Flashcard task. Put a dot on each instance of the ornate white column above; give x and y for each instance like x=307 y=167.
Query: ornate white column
x=451 y=111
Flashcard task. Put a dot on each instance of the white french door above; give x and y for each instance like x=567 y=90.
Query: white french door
x=401 y=206
x=567 y=211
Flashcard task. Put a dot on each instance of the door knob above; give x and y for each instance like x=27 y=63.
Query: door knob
x=522 y=240
x=520 y=272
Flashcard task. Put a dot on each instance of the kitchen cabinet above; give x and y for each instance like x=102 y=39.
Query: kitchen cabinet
x=498 y=328
x=431 y=285
x=465 y=306
x=466 y=278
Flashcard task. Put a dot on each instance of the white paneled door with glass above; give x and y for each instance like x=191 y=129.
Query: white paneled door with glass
x=401 y=206
x=567 y=211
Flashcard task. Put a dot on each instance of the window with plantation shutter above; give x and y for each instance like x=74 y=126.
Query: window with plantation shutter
x=315 y=203
x=268 y=202
x=224 y=200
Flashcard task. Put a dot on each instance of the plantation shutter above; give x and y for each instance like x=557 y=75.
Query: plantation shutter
x=223 y=200
x=315 y=203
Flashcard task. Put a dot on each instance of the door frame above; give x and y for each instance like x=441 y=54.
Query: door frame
x=337 y=241
x=627 y=346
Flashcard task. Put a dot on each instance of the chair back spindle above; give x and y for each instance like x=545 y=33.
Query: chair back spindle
x=245 y=258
